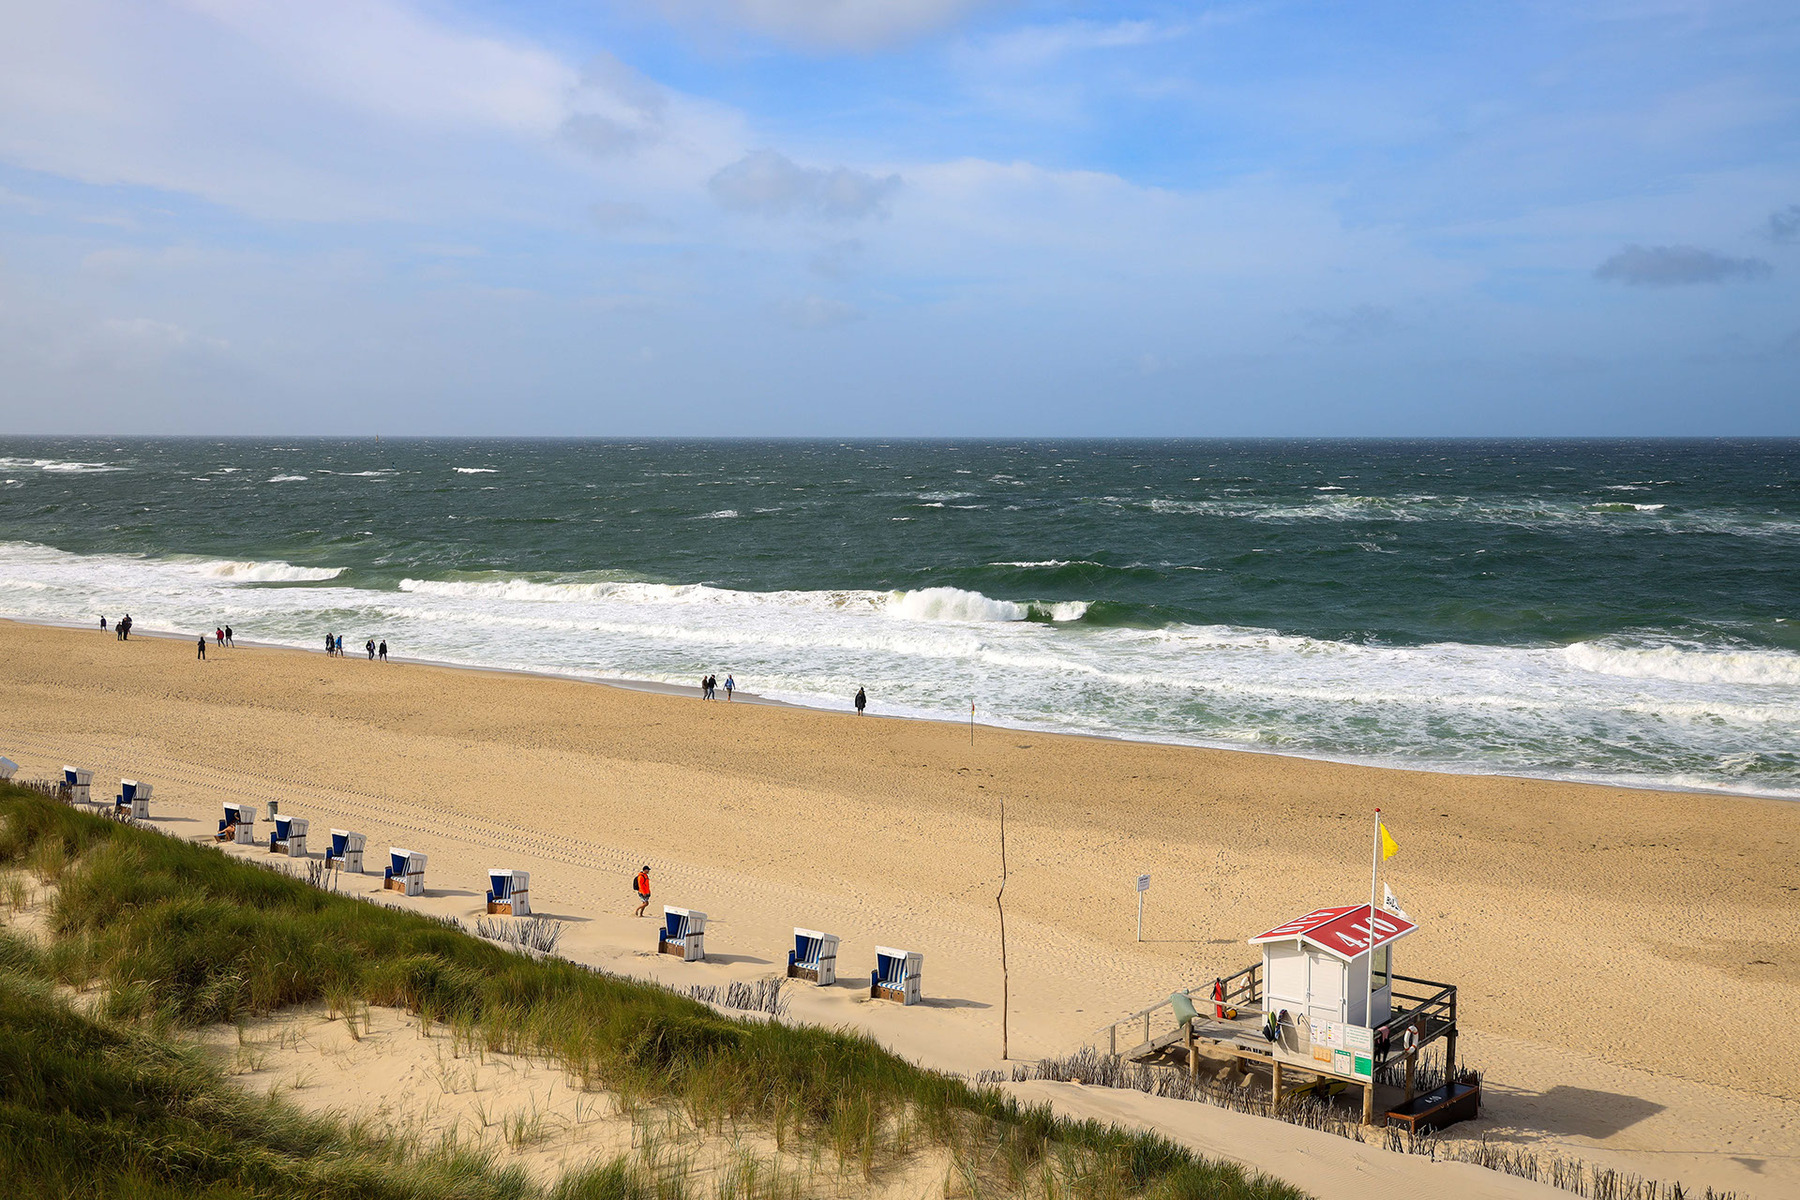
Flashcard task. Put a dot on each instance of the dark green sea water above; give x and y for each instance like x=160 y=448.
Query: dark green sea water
x=1611 y=610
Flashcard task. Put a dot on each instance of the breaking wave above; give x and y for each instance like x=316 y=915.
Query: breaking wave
x=267 y=572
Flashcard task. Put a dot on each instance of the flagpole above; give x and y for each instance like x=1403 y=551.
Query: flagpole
x=1369 y=975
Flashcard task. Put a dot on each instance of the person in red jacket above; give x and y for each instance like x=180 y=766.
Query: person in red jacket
x=642 y=886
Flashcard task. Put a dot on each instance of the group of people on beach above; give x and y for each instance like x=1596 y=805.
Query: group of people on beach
x=709 y=687
x=334 y=646
x=121 y=627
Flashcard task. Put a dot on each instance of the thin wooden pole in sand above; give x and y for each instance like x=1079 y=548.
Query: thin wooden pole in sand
x=971 y=724
x=1004 y=1006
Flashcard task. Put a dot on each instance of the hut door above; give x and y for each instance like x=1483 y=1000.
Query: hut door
x=1324 y=988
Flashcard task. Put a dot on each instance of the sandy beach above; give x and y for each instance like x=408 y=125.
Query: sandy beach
x=1627 y=959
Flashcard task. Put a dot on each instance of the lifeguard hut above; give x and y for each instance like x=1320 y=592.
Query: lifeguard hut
x=1320 y=965
x=1312 y=1006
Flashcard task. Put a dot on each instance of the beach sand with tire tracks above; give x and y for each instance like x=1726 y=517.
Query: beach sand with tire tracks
x=1629 y=961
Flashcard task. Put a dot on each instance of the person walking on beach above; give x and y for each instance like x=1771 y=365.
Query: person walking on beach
x=340 y=645
x=228 y=638
x=862 y=701
x=220 y=634
x=730 y=685
x=370 y=647
x=383 y=650
x=127 y=626
x=102 y=622
x=641 y=885
x=202 y=645
x=703 y=694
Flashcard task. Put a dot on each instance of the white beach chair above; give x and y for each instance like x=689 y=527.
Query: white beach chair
x=133 y=798
x=77 y=781
x=8 y=768
x=683 y=934
x=238 y=825
x=896 y=975
x=405 y=872
x=289 y=837
x=509 y=892
x=813 y=957
x=346 y=851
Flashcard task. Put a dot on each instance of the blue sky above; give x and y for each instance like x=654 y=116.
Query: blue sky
x=900 y=217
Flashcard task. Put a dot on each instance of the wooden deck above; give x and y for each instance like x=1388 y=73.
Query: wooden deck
x=1422 y=1004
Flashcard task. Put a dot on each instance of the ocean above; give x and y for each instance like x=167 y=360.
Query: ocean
x=1620 y=611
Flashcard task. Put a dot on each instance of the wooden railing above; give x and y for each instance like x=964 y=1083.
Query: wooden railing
x=1424 y=1004
x=1241 y=991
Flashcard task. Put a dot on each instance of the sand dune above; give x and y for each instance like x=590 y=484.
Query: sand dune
x=1619 y=952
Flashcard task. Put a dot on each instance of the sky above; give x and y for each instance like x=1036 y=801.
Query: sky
x=900 y=218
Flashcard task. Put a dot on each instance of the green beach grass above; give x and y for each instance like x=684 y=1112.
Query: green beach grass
x=176 y=936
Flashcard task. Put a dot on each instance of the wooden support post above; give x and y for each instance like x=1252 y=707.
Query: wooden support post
x=1369 y=1103
x=1412 y=1060
x=1113 y=1034
x=1193 y=1054
x=1450 y=1055
x=1278 y=1082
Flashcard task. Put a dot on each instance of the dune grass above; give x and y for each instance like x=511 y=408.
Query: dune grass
x=178 y=935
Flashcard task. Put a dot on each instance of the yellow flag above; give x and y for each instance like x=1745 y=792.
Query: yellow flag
x=1389 y=847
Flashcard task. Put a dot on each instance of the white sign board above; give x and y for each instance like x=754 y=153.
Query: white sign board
x=1143 y=883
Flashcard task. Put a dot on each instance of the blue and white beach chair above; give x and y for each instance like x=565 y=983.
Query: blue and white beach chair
x=133 y=797
x=896 y=975
x=76 y=782
x=405 y=872
x=346 y=852
x=683 y=933
x=240 y=821
x=509 y=892
x=813 y=957
x=289 y=837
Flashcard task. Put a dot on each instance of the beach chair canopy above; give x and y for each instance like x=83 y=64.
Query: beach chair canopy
x=128 y=790
x=891 y=964
x=810 y=946
x=282 y=826
x=338 y=839
x=500 y=883
x=398 y=857
x=69 y=774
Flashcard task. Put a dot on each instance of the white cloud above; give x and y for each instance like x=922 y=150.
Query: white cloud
x=827 y=24
x=772 y=185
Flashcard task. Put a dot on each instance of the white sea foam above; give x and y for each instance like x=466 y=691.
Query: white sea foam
x=1689 y=709
x=1687 y=664
x=724 y=514
x=57 y=466
x=267 y=572
x=475 y=470
x=287 y=479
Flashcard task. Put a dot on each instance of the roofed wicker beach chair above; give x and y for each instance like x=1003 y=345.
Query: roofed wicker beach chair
x=509 y=892
x=813 y=957
x=238 y=825
x=8 y=768
x=289 y=837
x=405 y=872
x=896 y=975
x=133 y=799
x=346 y=853
x=75 y=784
x=683 y=934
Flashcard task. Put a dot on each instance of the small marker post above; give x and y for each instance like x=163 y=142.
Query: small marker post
x=1143 y=885
x=971 y=723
